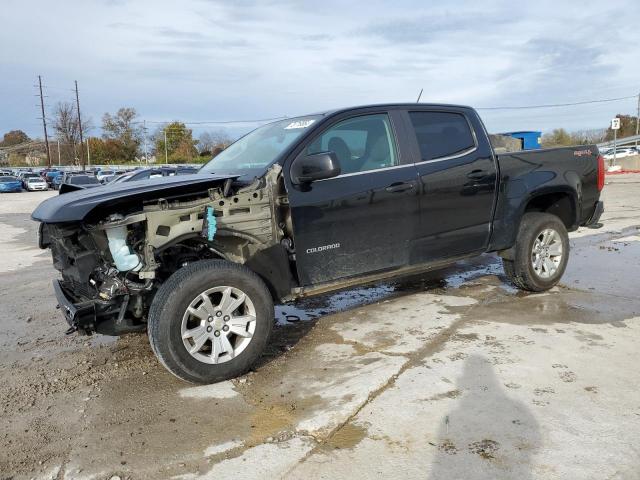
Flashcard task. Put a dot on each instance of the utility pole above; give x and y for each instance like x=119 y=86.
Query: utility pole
x=88 y=154
x=638 y=121
x=44 y=122
x=59 y=161
x=144 y=129
x=166 y=154
x=80 y=128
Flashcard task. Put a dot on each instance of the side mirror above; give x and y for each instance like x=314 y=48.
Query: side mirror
x=317 y=166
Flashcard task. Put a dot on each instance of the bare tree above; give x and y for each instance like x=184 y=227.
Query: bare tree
x=587 y=137
x=214 y=141
x=65 y=124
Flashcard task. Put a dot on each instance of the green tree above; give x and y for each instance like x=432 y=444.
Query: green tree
x=14 y=137
x=122 y=134
x=557 y=138
x=180 y=146
x=107 y=151
x=627 y=127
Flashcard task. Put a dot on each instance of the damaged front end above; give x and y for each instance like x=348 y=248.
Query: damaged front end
x=112 y=265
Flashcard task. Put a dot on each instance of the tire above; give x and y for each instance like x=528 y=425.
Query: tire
x=187 y=287
x=525 y=269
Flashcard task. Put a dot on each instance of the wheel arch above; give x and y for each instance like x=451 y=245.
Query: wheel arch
x=561 y=202
x=271 y=263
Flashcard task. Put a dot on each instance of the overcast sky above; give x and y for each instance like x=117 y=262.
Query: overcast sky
x=202 y=60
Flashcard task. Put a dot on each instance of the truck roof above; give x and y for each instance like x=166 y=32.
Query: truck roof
x=388 y=105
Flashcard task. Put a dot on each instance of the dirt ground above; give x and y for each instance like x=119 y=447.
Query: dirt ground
x=450 y=375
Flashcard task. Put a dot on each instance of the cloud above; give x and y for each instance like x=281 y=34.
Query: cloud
x=428 y=28
x=318 y=37
x=170 y=32
x=208 y=59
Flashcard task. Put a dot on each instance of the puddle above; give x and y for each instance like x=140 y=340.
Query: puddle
x=346 y=437
x=455 y=276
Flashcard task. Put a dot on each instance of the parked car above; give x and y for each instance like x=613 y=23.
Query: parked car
x=147 y=173
x=35 y=183
x=25 y=176
x=621 y=152
x=45 y=171
x=56 y=181
x=10 y=184
x=78 y=180
x=65 y=178
x=103 y=174
x=49 y=177
x=301 y=207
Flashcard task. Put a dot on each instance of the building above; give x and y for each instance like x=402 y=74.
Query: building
x=531 y=140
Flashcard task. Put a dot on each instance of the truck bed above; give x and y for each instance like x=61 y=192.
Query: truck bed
x=572 y=172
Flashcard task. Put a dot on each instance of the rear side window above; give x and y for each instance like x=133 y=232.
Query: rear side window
x=441 y=134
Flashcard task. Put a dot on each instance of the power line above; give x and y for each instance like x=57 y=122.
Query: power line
x=552 y=105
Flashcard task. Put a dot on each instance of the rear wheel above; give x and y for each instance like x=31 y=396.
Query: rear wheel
x=540 y=254
x=210 y=321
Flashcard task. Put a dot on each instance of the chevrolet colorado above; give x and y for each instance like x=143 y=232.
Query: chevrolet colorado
x=304 y=206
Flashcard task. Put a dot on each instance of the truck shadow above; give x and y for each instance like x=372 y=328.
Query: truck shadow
x=488 y=434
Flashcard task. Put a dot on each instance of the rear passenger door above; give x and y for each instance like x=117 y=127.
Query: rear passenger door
x=458 y=176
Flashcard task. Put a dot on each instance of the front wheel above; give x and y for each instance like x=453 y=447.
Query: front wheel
x=210 y=321
x=540 y=254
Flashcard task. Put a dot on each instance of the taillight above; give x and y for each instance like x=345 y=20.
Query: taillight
x=600 y=173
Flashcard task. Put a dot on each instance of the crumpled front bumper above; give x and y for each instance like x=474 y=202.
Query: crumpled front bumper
x=79 y=316
x=87 y=317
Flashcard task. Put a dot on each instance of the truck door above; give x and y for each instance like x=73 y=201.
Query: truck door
x=362 y=220
x=458 y=176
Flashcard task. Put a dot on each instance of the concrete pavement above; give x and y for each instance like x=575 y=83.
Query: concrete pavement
x=449 y=375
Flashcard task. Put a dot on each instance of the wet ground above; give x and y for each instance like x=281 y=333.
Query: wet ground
x=454 y=374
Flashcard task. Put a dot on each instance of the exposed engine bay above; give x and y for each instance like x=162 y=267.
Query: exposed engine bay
x=111 y=267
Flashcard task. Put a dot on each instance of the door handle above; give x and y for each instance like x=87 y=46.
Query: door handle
x=399 y=187
x=477 y=174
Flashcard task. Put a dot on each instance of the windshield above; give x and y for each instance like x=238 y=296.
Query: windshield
x=8 y=179
x=254 y=152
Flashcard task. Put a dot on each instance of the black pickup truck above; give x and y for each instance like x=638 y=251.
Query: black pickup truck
x=304 y=206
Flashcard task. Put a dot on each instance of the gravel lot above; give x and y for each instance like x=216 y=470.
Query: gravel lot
x=451 y=375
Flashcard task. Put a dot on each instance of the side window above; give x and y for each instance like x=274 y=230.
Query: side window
x=441 y=134
x=361 y=143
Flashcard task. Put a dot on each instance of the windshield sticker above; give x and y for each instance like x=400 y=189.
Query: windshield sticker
x=299 y=124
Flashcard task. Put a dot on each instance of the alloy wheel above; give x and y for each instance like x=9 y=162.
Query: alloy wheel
x=218 y=324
